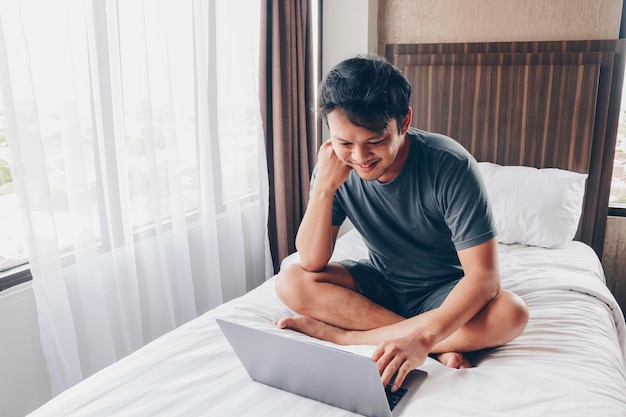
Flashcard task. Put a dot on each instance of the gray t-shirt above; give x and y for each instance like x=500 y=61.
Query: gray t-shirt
x=414 y=225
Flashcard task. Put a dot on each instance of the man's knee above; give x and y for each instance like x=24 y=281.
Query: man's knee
x=515 y=312
x=300 y=289
x=291 y=286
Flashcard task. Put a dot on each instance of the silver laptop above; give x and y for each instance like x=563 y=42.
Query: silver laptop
x=316 y=371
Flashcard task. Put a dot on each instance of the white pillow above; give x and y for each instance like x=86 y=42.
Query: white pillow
x=535 y=207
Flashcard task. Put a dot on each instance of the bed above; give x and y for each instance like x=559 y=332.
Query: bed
x=570 y=360
x=545 y=174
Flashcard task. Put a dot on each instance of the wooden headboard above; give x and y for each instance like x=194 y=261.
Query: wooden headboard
x=542 y=104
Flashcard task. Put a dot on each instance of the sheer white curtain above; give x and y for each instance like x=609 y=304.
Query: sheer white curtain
x=139 y=163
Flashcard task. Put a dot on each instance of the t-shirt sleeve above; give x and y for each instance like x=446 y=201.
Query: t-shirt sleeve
x=465 y=204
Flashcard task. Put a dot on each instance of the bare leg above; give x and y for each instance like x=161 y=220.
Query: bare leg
x=497 y=323
x=320 y=330
x=328 y=303
x=330 y=296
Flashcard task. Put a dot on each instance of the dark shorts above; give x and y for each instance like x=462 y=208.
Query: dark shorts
x=406 y=302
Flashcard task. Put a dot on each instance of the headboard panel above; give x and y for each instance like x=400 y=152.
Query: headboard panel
x=522 y=102
x=541 y=104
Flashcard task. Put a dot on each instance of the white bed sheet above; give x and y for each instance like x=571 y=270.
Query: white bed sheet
x=570 y=360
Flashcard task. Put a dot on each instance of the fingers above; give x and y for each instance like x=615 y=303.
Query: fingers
x=380 y=350
x=390 y=361
x=326 y=150
x=332 y=171
x=394 y=358
x=402 y=373
x=389 y=372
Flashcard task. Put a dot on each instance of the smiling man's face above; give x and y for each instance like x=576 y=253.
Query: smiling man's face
x=373 y=155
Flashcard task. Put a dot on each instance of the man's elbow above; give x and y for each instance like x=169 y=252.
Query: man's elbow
x=312 y=265
x=314 y=262
x=493 y=286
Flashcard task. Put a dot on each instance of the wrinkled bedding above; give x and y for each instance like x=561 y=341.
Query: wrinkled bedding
x=570 y=360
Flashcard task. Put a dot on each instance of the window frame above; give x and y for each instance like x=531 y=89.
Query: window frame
x=619 y=211
x=21 y=273
x=15 y=276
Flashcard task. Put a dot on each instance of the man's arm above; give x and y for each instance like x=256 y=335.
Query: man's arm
x=408 y=342
x=316 y=236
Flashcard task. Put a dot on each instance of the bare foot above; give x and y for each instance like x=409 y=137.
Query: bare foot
x=453 y=360
x=311 y=327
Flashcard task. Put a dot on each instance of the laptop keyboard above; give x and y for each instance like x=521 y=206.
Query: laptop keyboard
x=394 y=397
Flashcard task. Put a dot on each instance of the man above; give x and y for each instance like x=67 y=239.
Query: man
x=431 y=284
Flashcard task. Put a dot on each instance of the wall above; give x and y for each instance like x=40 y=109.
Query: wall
x=24 y=381
x=359 y=36
x=614 y=258
x=424 y=21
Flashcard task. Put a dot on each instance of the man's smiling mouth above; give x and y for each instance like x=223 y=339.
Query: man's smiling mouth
x=367 y=167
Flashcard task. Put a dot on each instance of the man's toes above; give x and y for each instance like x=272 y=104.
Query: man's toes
x=454 y=360
x=465 y=364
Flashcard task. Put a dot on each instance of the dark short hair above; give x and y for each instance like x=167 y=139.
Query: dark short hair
x=368 y=90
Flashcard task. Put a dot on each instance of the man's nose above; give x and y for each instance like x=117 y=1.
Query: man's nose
x=360 y=153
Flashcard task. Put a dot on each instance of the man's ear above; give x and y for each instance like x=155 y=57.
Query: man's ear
x=406 y=122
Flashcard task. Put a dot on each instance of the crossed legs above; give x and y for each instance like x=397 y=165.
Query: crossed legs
x=330 y=308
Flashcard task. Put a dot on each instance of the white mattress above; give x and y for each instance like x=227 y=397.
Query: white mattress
x=570 y=360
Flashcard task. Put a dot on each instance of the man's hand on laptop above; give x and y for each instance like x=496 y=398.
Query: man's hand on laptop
x=400 y=356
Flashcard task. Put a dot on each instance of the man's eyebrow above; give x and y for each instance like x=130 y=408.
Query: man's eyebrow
x=377 y=136
x=338 y=138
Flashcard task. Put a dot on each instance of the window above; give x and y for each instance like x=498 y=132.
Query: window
x=165 y=57
x=617 y=198
x=13 y=248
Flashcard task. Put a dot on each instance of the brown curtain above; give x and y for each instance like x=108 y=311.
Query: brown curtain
x=287 y=97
